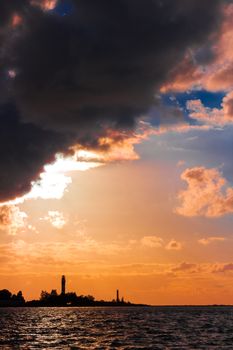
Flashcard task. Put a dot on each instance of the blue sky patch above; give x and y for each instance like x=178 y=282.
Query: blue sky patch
x=64 y=7
x=209 y=99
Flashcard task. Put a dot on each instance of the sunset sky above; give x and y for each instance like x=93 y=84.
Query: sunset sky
x=116 y=149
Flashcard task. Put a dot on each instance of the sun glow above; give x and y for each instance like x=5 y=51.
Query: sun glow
x=53 y=182
x=55 y=178
x=80 y=161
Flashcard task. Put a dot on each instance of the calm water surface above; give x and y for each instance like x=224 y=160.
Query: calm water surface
x=117 y=328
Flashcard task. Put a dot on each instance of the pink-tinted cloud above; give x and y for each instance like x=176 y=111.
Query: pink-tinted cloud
x=16 y=20
x=205 y=194
x=45 y=5
x=212 y=116
x=220 y=74
x=214 y=73
x=5 y=216
x=186 y=75
x=12 y=219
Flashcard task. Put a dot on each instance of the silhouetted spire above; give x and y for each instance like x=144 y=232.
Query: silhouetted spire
x=63 y=285
x=117 y=296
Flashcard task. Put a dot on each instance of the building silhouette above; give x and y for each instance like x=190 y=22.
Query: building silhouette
x=56 y=299
x=117 y=296
x=63 y=285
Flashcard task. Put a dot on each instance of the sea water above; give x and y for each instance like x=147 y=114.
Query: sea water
x=117 y=328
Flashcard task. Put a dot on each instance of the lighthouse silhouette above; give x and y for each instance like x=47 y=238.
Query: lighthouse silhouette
x=63 y=285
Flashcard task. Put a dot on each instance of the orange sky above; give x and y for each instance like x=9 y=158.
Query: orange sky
x=117 y=227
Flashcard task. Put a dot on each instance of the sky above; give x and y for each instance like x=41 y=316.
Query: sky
x=116 y=149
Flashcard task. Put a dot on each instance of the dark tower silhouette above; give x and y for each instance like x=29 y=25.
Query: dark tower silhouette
x=63 y=285
x=117 y=296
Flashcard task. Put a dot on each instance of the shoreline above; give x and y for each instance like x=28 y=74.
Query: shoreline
x=118 y=306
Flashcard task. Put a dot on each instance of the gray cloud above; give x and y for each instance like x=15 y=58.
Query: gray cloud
x=80 y=75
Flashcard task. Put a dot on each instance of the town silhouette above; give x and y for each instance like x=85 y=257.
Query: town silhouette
x=54 y=298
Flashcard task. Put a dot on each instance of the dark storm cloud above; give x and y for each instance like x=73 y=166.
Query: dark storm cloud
x=78 y=75
x=24 y=150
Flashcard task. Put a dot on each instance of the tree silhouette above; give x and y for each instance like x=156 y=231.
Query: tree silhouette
x=5 y=295
x=18 y=299
x=44 y=296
